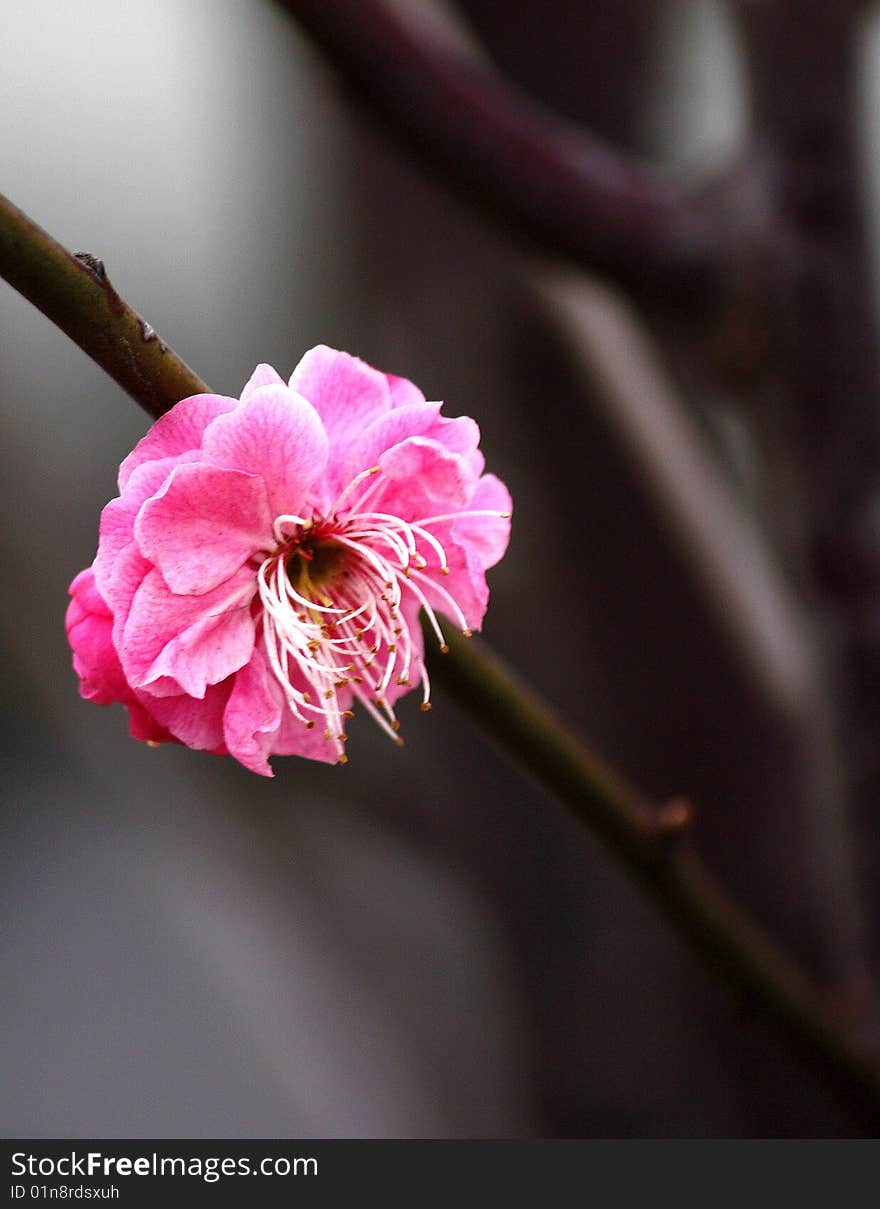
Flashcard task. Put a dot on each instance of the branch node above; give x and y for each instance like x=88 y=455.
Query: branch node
x=670 y=822
x=95 y=266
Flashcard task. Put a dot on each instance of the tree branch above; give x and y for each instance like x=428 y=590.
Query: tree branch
x=650 y=840
x=75 y=293
x=539 y=174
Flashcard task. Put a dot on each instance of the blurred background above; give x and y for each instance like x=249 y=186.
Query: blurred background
x=420 y=944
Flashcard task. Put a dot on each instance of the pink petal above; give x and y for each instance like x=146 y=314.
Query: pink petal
x=118 y=517
x=263 y=375
x=295 y=739
x=403 y=392
x=198 y=723
x=460 y=436
x=85 y=596
x=89 y=628
x=276 y=434
x=345 y=391
x=423 y=477
x=253 y=715
x=472 y=544
x=144 y=727
x=202 y=525
x=175 y=432
x=485 y=536
x=122 y=582
x=385 y=431
x=465 y=583
x=173 y=643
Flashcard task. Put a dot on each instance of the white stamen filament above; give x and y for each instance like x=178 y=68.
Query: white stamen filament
x=331 y=593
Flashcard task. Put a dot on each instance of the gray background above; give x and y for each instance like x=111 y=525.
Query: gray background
x=418 y=944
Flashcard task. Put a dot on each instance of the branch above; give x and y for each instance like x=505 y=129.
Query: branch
x=647 y=838
x=75 y=293
x=650 y=840
x=529 y=168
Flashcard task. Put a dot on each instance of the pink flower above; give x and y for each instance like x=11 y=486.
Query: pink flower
x=262 y=569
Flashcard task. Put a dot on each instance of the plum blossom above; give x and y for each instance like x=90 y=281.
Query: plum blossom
x=261 y=573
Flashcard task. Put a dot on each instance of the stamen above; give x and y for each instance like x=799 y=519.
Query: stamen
x=355 y=482
x=455 y=516
x=330 y=627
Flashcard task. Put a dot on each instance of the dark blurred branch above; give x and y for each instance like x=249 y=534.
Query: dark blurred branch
x=805 y=71
x=645 y=836
x=538 y=174
x=76 y=294
x=738 y=584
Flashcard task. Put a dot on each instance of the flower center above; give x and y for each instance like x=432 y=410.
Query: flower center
x=313 y=564
x=332 y=593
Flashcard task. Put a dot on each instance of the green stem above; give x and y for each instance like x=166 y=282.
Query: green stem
x=76 y=294
x=647 y=838
x=651 y=841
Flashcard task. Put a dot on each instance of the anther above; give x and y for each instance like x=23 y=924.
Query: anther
x=426 y=705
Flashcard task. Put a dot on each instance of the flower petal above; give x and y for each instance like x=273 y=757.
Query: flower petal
x=345 y=391
x=89 y=630
x=172 y=644
x=422 y=477
x=178 y=430
x=275 y=434
x=118 y=517
x=202 y=525
x=263 y=375
x=403 y=392
x=143 y=726
x=89 y=626
x=387 y=430
x=295 y=739
x=253 y=715
x=485 y=536
x=196 y=722
x=460 y=436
